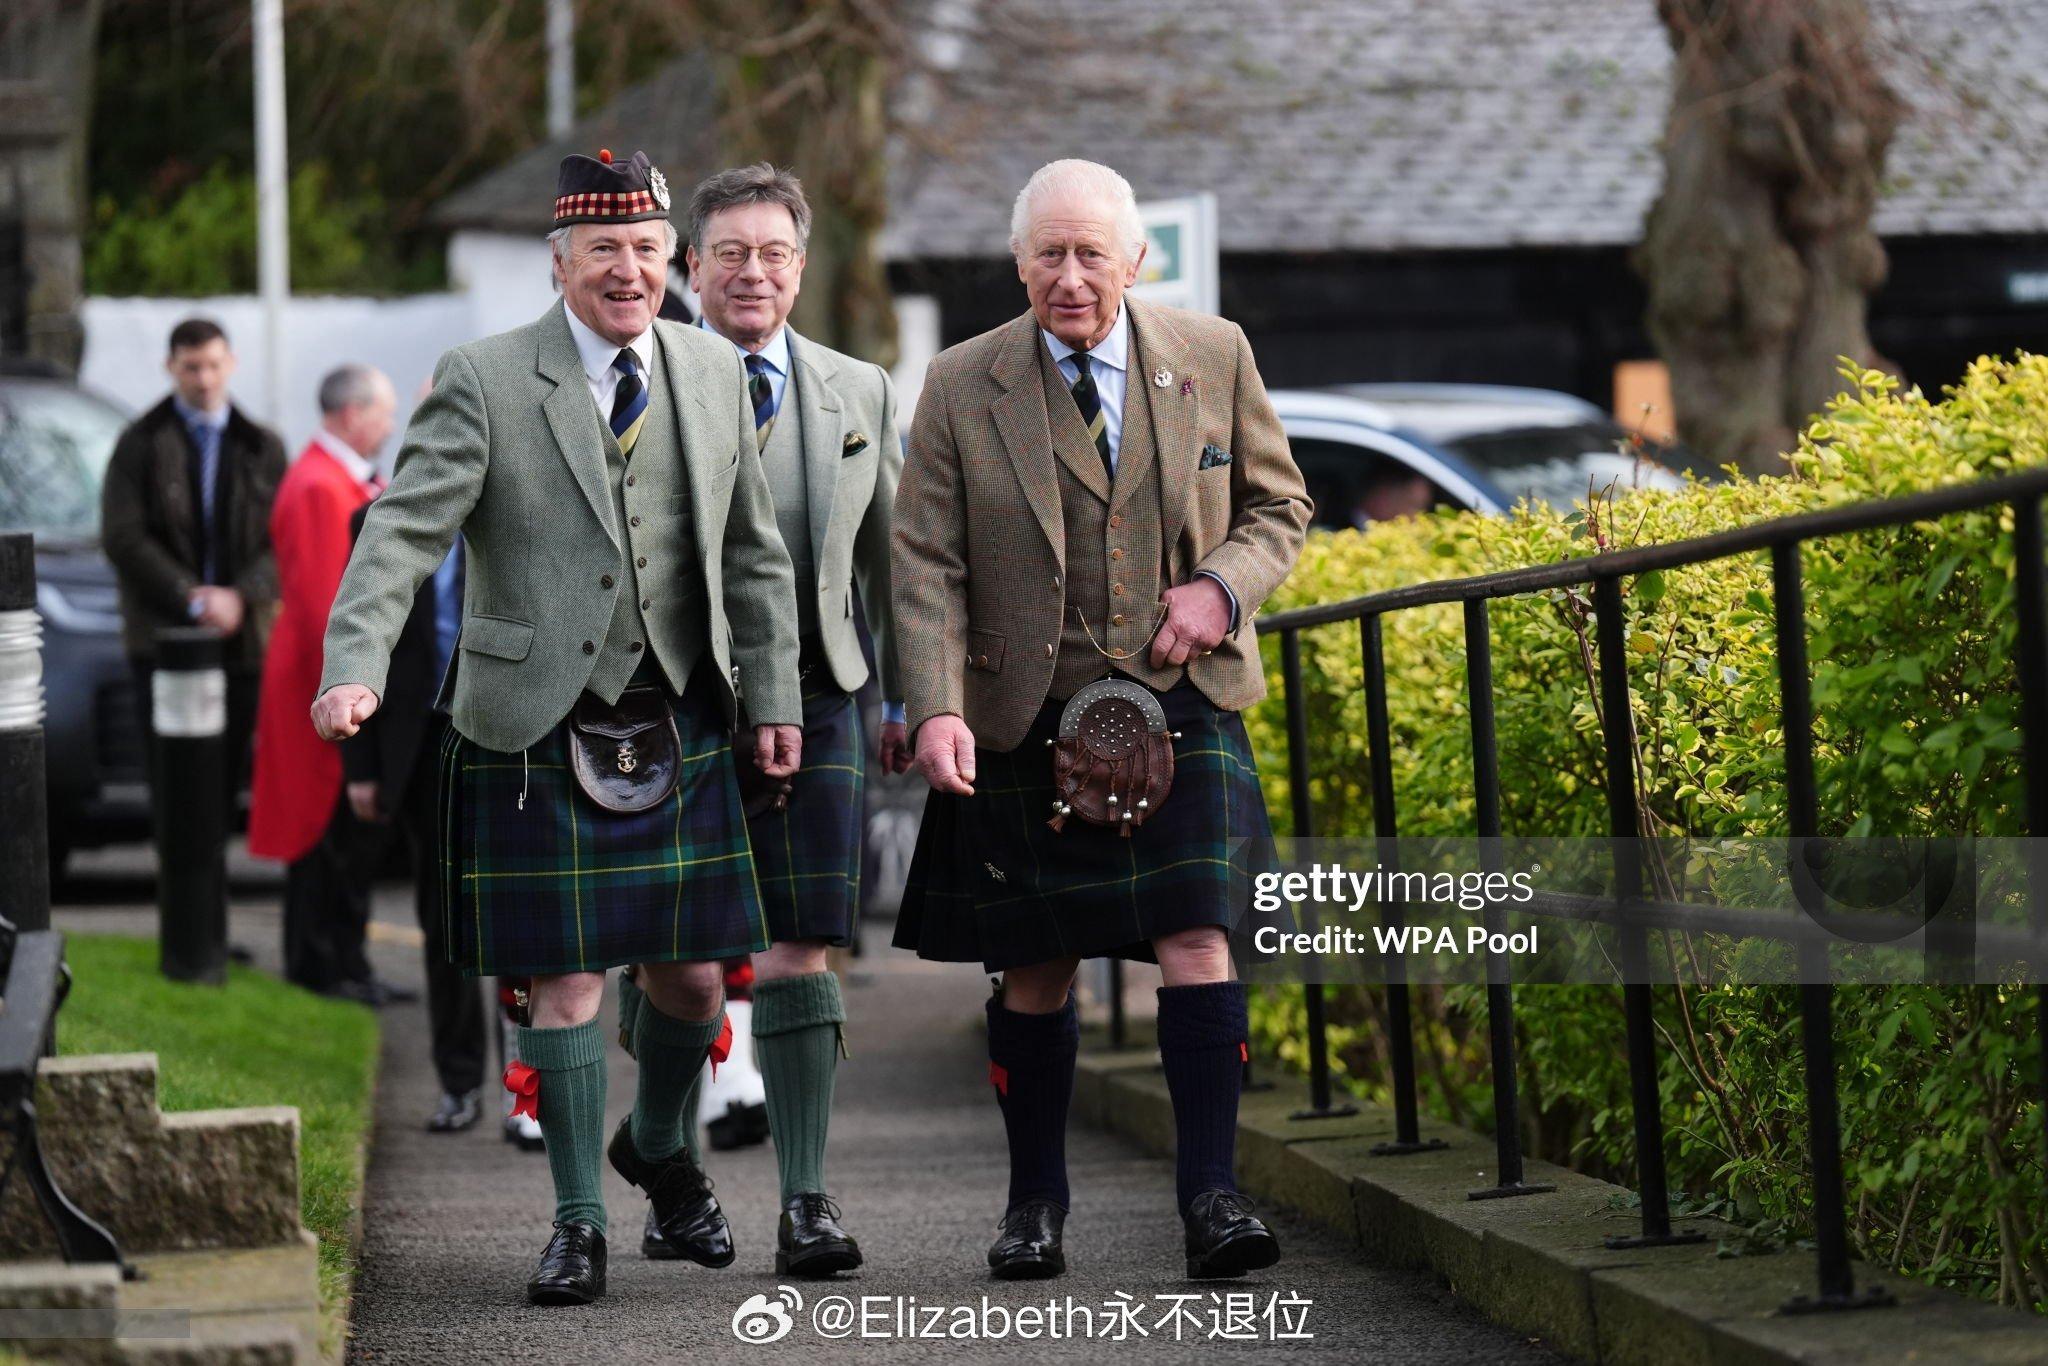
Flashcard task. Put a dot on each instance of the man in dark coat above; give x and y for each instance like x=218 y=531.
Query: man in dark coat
x=185 y=520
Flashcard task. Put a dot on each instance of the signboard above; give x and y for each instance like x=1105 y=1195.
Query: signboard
x=1180 y=253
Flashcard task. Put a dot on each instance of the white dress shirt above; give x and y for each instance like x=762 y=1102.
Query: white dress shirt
x=360 y=468
x=1109 y=362
x=597 y=356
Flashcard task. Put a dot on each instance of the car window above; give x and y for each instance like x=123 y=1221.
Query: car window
x=54 y=444
x=1356 y=485
x=1560 y=465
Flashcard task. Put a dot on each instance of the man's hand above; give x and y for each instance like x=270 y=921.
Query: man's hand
x=340 y=711
x=220 y=609
x=363 y=801
x=945 y=755
x=893 y=754
x=778 y=750
x=1197 y=619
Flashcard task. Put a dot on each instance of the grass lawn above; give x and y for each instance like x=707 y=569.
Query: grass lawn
x=256 y=1041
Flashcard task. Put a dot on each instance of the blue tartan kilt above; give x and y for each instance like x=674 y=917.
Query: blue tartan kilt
x=992 y=882
x=807 y=857
x=561 y=885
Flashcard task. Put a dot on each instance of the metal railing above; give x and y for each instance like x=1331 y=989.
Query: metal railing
x=1782 y=538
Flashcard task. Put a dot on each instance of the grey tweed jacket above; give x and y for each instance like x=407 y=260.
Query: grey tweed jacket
x=508 y=450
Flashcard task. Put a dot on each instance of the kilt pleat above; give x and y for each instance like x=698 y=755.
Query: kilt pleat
x=556 y=884
x=991 y=881
x=807 y=857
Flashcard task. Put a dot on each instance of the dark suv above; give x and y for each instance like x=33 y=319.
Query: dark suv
x=54 y=442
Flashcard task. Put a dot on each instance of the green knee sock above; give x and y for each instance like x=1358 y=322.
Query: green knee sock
x=671 y=1054
x=796 y=1035
x=571 y=1066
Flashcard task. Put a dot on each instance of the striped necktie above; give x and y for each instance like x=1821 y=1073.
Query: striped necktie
x=762 y=391
x=629 y=402
x=1090 y=404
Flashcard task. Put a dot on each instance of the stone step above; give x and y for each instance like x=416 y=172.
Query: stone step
x=159 y=1183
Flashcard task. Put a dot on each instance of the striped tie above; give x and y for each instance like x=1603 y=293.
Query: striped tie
x=1090 y=404
x=629 y=402
x=762 y=392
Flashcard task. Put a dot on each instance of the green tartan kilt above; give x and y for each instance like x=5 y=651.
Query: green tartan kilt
x=807 y=857
x=556 y=884
x=992 y=882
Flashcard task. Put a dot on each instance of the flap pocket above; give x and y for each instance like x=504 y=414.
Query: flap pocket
x=501 y=637
x=985 y=650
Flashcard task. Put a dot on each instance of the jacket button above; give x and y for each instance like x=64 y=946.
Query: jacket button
x=629 y=481
x=981 y=661
x=1117 y=520
x=1055 y=581
x=634 y=648
x=641 y=563
x=589 y=647
x=646 y=603
x=605 y=582
x=1048 y=649
x=1117 y=620
x=1117 y=589
x=1116 y=554
x=635 y=521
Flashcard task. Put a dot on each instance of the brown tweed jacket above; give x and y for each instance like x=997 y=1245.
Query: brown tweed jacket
x=979 y=538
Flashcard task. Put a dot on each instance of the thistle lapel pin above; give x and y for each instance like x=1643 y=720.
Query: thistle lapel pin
x=1187 y=387
x=1162 y=377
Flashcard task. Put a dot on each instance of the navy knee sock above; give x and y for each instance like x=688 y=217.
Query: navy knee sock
x=1031 y=1065
x=1202 y=1034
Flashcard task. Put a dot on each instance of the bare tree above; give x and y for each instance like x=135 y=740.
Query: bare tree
x=1759 y=253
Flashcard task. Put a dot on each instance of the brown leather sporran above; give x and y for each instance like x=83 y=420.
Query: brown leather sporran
x=1112 y=762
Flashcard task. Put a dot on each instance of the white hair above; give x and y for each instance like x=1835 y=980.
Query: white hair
x=559 y=240
x=1087 y=179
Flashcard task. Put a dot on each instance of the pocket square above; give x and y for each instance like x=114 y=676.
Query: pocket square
x=1212 y=456
x=854 y=444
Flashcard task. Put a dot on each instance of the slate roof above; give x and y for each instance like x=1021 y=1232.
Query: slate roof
x=1380 y=125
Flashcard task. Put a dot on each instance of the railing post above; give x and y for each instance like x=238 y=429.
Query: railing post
x=1500 y=991
x=25 y=833
x=1617 y=727
x=2032 y=612
x=1379 y=758
x=1319 y=1106
x=1816 y=1003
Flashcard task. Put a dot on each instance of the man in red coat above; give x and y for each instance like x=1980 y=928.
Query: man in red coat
x=298 y=812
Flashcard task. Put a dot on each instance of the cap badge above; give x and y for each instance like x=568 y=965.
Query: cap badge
x=657 y=184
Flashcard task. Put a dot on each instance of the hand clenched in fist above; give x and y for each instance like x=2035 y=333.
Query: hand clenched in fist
x=340 y=711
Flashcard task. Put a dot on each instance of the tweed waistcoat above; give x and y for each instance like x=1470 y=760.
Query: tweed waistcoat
x=1115 y=565
x=658 y=447
x=782 y=460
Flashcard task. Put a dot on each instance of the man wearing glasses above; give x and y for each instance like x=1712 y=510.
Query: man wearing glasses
x=825 y=425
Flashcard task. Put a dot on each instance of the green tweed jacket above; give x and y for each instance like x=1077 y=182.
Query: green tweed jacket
x=853 y=457
x=508 y=450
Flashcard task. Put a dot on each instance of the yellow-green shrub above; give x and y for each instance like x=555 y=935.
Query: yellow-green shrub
x=1912 y=641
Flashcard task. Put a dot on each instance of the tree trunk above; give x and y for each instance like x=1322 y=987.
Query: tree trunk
x=805 y=83
x=46 y=65
x=1758 y=253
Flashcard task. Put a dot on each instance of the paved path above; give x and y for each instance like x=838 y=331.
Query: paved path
x=452 y=1224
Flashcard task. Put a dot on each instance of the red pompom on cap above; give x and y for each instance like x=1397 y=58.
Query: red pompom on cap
x=604 y=154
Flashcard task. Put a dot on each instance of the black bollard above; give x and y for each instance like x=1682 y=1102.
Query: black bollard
x=24 y=800
x=188 y=706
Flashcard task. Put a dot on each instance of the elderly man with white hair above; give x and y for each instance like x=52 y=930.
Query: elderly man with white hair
x=1096 y=499
x=627 y=601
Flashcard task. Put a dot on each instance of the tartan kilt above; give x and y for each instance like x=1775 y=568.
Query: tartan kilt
x=992 y=882
x=565 y=886
x=807 y=857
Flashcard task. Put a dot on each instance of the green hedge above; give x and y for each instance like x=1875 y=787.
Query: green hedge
x=1912 y=640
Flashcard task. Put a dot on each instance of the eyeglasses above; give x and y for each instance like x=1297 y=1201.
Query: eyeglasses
x=733 y=255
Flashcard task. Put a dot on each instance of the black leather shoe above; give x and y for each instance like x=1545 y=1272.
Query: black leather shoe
x=456 y=1113
x=571 y=1271
x=741 y=1126
x=1027 y=1246
x=1224 y=1239
x=686 y=1222
x=809 y=1241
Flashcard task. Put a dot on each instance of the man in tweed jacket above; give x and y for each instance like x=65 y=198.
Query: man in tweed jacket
x=1099 y=488
x=602 y=468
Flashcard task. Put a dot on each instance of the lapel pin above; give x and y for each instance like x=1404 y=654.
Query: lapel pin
x=1163 y=378
x=1187 y=387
